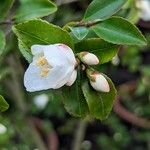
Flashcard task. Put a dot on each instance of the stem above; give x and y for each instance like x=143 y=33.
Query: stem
x=129 y=116
x=79 y=135
x=61 y=2
x=8 y=22
x=87 y=24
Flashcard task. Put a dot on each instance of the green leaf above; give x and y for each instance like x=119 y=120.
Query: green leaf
x=3 y=104
x=23 y=49
x=73 y=99
x=99 y=103
x=30 y=9
x=5 y=5
x=102 y=9
x=103 y=50
x=79 y=32
x=119 y=31
x=40 y=32
x=2 y=41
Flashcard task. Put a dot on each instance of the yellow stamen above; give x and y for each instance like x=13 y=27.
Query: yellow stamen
x=42 y=61
x=44 y=66
x=44 y=72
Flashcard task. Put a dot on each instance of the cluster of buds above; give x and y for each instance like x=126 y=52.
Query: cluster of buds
x=97 y=80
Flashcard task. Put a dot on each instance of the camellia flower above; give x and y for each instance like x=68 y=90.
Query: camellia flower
x=98 y=81
x=88 y=58
x=51 y=68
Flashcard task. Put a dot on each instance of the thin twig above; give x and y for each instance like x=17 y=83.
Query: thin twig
x=8 y=22
x=79 y=135
x=61 y=2
x=129 y=116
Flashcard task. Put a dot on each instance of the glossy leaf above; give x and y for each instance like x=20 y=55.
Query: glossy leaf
x=79 y=32
x=30 y=9
x=103 y=50
x=45 y=34
x=23 y=49
x=5 y=5
x=100 y=104
x=2 y=41
x=3 y=104
x=119 y=31
x=102 y=9
x=73 y=99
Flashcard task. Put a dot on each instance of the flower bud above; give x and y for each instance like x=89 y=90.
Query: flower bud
x=72 y=78
x=89 y=58
x=98 y=81
x=41 y=101
x=144 y=9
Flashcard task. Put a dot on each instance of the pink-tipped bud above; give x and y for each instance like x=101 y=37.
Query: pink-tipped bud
x=72 y=78
x=89 y=58
x=99 y=83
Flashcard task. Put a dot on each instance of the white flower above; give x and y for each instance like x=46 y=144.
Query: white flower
x=41 y=101
x=99 y=83
x=3 y=129
x=51 y=68
x=89 y=58
x=144 y=8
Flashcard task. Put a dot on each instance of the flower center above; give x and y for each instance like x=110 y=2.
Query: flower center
x=44 y=66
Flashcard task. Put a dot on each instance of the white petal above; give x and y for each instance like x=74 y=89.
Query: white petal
x=56 y=58
x=34 y=82
x=37 y=49
x=72 y=78
x=68 y=52
x=65 y=78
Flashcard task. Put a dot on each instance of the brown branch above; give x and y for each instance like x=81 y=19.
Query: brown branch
x=129 y=116
x=51 y=137
x=8 y=22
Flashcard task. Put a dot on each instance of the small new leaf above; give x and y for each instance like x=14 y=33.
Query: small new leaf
x=79 y=32
x=3 y=104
